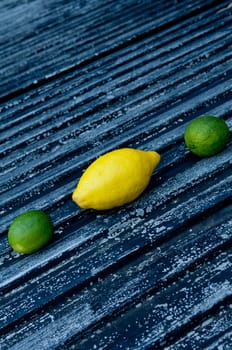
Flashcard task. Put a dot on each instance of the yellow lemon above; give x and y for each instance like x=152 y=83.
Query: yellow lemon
x=116 y=178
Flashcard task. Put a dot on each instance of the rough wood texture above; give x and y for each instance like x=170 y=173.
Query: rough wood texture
x=80 y=78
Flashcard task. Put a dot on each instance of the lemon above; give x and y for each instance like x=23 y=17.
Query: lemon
x=30 y=231
x=116 y=178
x=206 y=135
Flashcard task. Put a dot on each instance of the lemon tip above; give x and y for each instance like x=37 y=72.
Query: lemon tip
x=77 y=198
x=155 y=156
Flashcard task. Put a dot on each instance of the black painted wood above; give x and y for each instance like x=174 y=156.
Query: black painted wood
x=80 y=78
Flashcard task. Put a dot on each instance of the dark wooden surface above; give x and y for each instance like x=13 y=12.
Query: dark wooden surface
x=77 y=79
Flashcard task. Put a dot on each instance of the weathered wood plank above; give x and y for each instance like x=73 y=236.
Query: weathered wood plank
x=78 y=79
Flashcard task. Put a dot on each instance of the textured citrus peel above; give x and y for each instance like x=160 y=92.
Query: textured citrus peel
x=116 y=178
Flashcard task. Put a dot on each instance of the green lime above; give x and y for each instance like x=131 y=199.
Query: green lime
x=30 y=231
x=206 y=135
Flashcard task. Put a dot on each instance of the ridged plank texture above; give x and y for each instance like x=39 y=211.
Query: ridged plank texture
x=81 y=78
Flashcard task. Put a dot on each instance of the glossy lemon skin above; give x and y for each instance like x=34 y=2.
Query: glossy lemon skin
x=116 y=178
